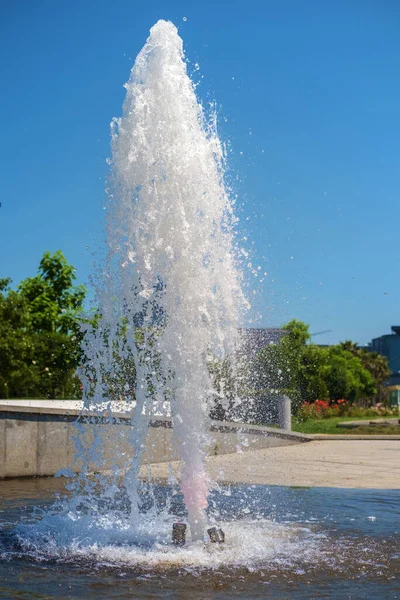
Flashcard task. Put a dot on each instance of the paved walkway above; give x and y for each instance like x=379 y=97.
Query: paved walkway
x=328 y=463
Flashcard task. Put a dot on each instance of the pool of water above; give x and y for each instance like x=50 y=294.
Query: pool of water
x=281 y=542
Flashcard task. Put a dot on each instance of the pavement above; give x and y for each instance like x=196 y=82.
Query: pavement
x=341 y=461
x=319 y=463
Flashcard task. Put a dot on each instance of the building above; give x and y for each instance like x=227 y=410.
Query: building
x=253 y=340
x=389 y=345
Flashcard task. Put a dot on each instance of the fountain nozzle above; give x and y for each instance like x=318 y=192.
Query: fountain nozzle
x=179 y=534
x=217 y=536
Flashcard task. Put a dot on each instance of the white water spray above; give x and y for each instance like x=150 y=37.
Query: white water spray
x=170 y=297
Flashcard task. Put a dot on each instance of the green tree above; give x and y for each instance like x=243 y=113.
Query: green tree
x=312 y=384
x=16 y=346
x=279 y=368
x=375 y=363
x=345 y=375
x=281 y=365
x=40 y=331
x=298 y=334
x=53 y=301
x=308 y=372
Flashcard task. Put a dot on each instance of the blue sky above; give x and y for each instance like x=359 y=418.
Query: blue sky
x=308 y=98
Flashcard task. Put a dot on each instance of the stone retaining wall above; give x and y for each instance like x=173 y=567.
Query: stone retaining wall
x=37 y=441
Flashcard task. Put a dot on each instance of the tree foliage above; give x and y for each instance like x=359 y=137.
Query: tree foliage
x=375 y=363
x=40 y=332
x=345 y=376
x=308 y=372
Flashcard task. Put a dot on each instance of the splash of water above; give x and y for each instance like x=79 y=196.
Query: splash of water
x=170 y=294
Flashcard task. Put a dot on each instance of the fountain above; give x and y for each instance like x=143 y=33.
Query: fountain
x=169 y=296
x=169 y=303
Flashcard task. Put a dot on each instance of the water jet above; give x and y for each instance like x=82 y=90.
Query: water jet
x=169 y=296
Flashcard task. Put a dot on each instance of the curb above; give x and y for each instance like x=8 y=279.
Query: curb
x=349 y=437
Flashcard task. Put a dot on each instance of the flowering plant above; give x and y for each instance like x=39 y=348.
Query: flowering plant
x=322 y=409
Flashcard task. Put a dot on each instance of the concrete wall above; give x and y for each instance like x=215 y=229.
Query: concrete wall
x=38 y=441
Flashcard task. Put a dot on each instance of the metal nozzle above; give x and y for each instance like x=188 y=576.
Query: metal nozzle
x=216 y=535
x=179 y=534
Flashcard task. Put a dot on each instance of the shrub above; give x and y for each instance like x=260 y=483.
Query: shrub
x=322 y=409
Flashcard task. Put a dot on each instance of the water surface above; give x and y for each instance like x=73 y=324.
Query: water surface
x=281 y=543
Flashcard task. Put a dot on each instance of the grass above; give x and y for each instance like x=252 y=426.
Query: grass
x=330 y=426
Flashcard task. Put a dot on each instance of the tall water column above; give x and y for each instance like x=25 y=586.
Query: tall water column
x=170 y=277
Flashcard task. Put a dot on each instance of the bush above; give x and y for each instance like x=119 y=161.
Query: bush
x=323 y=409
x=379 y=410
